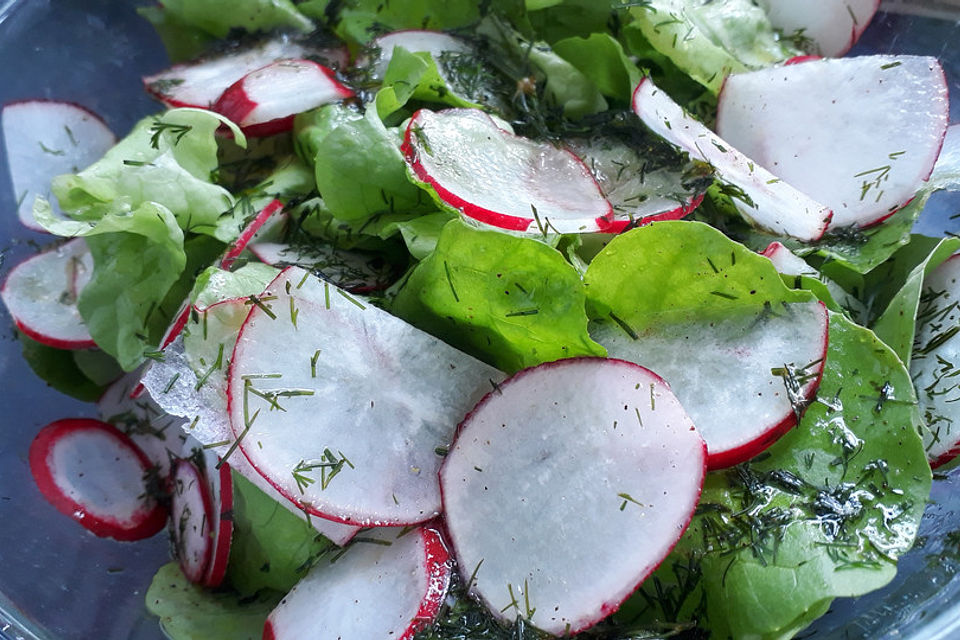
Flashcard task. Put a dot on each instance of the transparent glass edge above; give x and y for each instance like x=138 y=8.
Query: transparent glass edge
x=943 y=9
x=6 y=8
x=11 y=618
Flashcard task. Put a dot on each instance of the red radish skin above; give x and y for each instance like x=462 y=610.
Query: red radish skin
x=142 y=523
x=507 y=418
x=189 y=531
x=221 y=482
x=499 y=219
x=620 y=225
x=241 y=101
x=42 y=305
x=274 y=207
x=436 y=568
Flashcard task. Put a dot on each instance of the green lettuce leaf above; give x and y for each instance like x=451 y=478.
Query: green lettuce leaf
x=360 y=171
x=824 y=513
x=138 y=256
x=182 y=41
x=272 y=548
x=511 y=301
x=555 y=20
x=710 y=40
x=214 y=284
x=219 y=17
x=897 y=324
x=167 y=160
x=359 y=21
x=602 y=59
x=59 y=369
x=190 y=612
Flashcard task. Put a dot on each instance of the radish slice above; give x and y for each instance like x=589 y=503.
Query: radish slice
x=367 y=400
x=96 y=475
x=787 y=262
x=264 y=101
x=935 y=354
x=41 y=294
x=200 y=83
x=176 y=388
x=351 y=270
x=275 y=207
x=510 y=182
x=157 y=433
x=435 y=43
x=555 y=479
x=744 y=380
x=637 y=194
x=770 y=202
x=191 y=515
x=390 y=584
x=220 y=489
x=833 y=26
x=44 y=139
x=815 y=126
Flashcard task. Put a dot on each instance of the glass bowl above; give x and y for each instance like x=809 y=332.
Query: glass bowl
x=58 y=582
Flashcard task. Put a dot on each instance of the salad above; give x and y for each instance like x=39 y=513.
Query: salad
x=367 y=237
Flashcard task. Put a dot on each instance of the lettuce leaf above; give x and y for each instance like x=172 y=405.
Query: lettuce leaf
x=710 y=40
x=602 y=59
x=824 y=513
x=511 y=301
x=167 y=160
x=219 y=17
x=59 y=369
x=360 y=171
x=272 y=548
x=138 y=255
x=190 y=612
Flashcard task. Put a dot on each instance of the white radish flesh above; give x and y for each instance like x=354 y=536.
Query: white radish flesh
x=191 y=515
x=433 y=42
x=488 y=174
x=157 y=433
x=815 y=124
x=770 y=203
x=932 y=367
x=637 y=194
x=200 y=83
x=590 y=454
x=176 y=388
x=96 y=475
x=351 y=270
x=743 y=379
x=832 y=26
x=390 y=584
x=367 y=401
x=45 y=138
x=41 y=294
x=264 y=101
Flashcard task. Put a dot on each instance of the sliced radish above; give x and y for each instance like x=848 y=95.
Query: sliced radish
x=200 y=83
x=96 y=475
x=45 y=138
x=389 y=584
x=435 y=43
x=41 y=295
x=555 y=479
x=935 y=354
x=815 y=126
x=833 y=26
x=219 y=478
x=343 y=407
x=157 y=433
x=769 y=202
x=264 y=101
x=351 y=270
x=745 y=380
x=787 y=262
x=488 y=174
x=274 y=207
x=637 y=193
x=176 y=388
x=191 y=516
